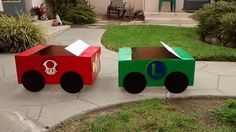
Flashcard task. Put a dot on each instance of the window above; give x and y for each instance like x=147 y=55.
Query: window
x=11 y=1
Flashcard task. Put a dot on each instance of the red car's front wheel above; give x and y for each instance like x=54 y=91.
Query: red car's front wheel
x=71 y=82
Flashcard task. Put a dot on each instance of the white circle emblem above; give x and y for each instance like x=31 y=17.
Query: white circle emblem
x=50 y=70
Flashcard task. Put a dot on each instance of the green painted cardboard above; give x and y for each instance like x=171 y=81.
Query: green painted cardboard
x=176 y=60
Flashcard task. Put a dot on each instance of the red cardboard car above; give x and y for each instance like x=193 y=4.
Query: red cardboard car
x=53 y=64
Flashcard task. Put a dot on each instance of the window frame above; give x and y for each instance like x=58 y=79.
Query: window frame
x=11 y=1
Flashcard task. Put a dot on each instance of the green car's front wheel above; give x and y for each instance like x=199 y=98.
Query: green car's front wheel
x=134 y=82
x=176 y=82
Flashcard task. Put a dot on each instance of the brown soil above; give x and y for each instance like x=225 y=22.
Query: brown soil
x=203 y=107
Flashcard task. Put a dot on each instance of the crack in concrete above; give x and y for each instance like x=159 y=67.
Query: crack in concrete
x=89 y=102
x=3 y=73
x=212 y=72
x=40 y=112
x=105 y=74
x=77 y=96
x=203 y=67
x=220 y=76
x=218 y=82
x=60 y=102
x=220 y=92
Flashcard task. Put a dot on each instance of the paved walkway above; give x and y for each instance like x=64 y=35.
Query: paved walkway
x=21 y=110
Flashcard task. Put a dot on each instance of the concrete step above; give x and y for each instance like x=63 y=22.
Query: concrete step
x=169 y=18
x=44 y=23
x=152 y=20
x=52 y=30
x=167 y=14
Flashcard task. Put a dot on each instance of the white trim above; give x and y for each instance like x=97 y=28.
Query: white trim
x=11 y=1
x=1 y=7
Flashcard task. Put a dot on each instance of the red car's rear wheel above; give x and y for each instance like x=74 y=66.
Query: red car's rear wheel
x=33 y=80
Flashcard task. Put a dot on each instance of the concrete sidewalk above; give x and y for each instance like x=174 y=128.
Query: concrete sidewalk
x=21 y=110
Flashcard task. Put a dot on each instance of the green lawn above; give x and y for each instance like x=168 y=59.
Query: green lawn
x=151 y=35
x=151 y=115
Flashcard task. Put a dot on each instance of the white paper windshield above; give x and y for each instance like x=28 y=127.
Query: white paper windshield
x=77 y=47
x=170 y=49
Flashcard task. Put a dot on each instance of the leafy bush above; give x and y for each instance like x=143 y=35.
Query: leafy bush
x=66 y=22
x=228 y=26
x=79 y=14
x=228 y=112
x=19 y=34
x=76 y=11
x=217 y=19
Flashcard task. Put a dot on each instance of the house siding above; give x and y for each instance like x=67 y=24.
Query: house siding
x=152 y=5
x=100 y=6
x=11 y=8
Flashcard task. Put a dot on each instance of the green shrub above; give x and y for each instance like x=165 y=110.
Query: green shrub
x=228 y=27
x=228 y=112
x=79 y=14
x=19 y=34
x=76 y=11
x=217 y=19
x=66 y=22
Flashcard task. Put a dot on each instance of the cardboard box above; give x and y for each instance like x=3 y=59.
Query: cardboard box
x=56 y=64
x=155 y=66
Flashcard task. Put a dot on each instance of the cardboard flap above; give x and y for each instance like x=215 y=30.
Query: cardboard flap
x=170 y=49
x=77 y=47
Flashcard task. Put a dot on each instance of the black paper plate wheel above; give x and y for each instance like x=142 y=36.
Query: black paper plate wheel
x=33 y=80
x=71 y=82
x=134 y=82
x=176 y=82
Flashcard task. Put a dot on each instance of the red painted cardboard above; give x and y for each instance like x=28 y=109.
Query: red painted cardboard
x=87 y=64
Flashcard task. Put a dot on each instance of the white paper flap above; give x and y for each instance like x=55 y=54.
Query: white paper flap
x=170 y=49
x=77 y=47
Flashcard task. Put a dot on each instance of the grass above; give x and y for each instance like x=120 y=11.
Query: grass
x=151 y=35
x=147 y=115
x=227 y=113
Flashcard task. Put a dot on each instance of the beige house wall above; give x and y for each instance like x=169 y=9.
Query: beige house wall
x=37 y=2
x=1 y=8
x=32 y=3
x=152 y=5
x=100 y=6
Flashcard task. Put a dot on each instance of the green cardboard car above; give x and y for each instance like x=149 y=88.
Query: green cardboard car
x=155 y=66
